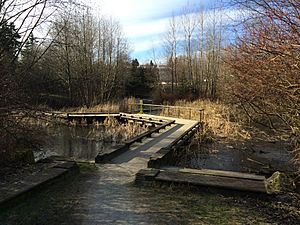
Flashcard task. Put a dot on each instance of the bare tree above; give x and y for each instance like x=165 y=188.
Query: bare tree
x=193 y=44
x=95 y=53
x=265 y=63
x=171 y=46
x=19 y=20
x=189 y=25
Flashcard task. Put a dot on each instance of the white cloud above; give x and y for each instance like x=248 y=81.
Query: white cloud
x=147 y=45
x=150 y=28
x=136 y=10
x=144 y=21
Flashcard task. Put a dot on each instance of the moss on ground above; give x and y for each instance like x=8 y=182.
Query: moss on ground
x=87 y=167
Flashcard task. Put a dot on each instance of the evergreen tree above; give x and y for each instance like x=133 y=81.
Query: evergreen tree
x=9 y=43
x=28 y=53
x=142 y=80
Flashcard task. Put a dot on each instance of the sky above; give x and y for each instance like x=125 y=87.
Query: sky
x=144 y=22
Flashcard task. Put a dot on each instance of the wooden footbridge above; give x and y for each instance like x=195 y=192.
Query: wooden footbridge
x=147 y=154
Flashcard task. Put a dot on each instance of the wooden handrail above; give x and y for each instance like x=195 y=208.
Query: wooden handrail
x=168 y=106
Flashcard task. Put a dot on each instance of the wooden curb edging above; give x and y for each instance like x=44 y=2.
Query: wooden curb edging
x=16 y=192
x=197 y=177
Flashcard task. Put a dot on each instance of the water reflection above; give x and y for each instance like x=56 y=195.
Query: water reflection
x=80 y=142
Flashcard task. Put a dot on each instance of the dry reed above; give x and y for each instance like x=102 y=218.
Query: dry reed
x=110 y=107
x=103 y=108
x=220 y=120
x=119 y=131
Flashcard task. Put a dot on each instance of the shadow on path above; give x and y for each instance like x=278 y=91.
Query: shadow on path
x=141 y=151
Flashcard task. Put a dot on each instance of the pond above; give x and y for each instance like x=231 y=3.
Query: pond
x=259 y=157
x=83 y=142
x=78 y=142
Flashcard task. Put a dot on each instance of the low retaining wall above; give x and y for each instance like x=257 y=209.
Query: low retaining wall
x=12 y=193
x=114 y=152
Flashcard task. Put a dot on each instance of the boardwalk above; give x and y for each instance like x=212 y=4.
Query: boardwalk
x=139 y=154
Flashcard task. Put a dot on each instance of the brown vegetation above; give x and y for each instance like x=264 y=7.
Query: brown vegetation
x=110 y=107
x=122 y=131
x=265 y=66
x=221 y=120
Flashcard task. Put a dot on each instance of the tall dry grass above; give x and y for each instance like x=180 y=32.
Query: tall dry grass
x=103 y=108
x=110 y=107
x=121 y=131
x=220 y=120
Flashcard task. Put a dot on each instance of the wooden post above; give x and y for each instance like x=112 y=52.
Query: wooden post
x=200 y=117
x=141 y=107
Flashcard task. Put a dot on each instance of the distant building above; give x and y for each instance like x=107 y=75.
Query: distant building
x=164 y=72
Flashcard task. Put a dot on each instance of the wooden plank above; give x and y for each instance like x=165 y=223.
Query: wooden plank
x=146 y=118
x=178 y=121
x=148 y=133
x=143 y=120
x=169 y=106
x=92 y=115
x=223 y=173
x=212 y=181
x=189 y=132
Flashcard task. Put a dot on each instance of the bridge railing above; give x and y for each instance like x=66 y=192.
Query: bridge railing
x=168 y=110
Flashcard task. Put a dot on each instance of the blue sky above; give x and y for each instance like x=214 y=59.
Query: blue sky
x=144 y=21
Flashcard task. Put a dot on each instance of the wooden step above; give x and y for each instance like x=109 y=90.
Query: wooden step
x=218 y=179
x=224 y=173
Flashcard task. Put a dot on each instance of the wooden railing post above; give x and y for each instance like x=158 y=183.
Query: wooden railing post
x=201 y=116
x=141 y=107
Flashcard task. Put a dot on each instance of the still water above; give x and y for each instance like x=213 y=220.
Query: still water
x=262 y=157
x=78 y=142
